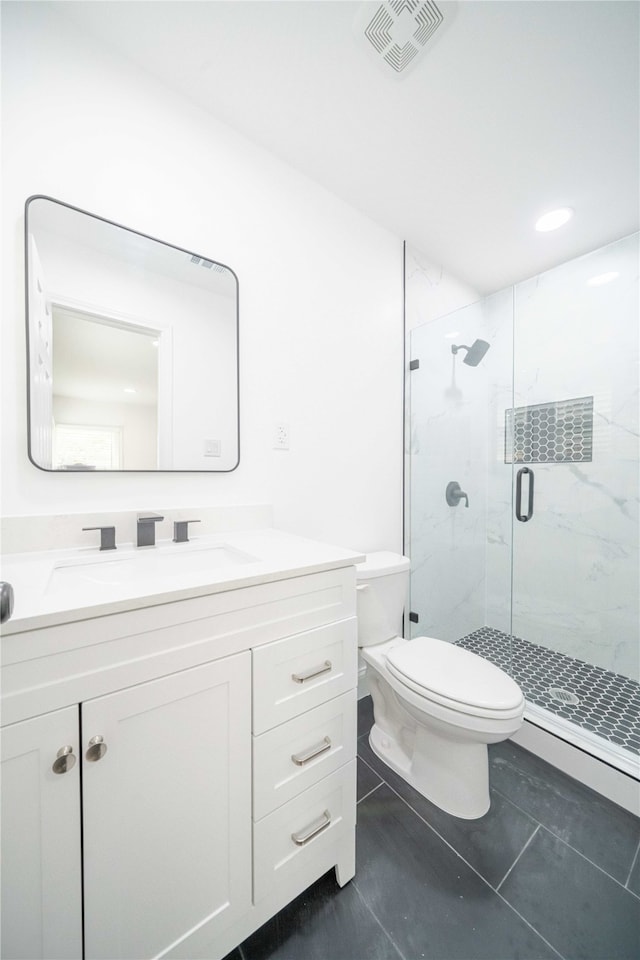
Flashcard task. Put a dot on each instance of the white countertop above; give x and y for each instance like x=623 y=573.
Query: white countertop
x=61 y=586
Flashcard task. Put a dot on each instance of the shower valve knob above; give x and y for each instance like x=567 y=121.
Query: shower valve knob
x=455 y=494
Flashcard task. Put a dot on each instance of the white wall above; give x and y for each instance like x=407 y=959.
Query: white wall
x=431 y=292
x=320 y=288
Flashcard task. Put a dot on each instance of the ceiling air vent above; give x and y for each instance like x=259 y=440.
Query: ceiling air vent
x=207 y=264
x=397 y=31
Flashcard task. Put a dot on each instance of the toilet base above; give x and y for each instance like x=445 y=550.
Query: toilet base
x=452 y=775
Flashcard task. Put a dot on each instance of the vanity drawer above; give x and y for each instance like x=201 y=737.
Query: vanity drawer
x=296 y=674
x=292 y=757
x=298 y=832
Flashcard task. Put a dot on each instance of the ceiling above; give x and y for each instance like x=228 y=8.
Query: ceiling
x=514 y=108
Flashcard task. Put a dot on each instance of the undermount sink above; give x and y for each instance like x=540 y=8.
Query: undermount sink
x=146 y=564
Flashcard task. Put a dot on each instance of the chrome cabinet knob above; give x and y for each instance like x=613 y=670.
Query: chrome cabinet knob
x=97 y=749
x=65 y=760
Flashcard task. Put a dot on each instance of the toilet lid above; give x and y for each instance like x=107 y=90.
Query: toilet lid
x=431 y=666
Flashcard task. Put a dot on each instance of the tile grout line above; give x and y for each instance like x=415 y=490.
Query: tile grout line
x=582 y=855
x=377 y=920
x=473 y=869
x=430 y=826
x=530 y=925
x=575 y=849
x=497 y=889
x=633 y=863
x=373 y=790
x=531 y=817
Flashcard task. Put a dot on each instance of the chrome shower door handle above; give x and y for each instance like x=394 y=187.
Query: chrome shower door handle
x=523 y=517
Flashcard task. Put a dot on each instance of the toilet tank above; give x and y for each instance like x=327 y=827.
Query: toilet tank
x=383 y=587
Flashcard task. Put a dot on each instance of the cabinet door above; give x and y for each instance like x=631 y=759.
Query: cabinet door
x=41 y=859
x=167 y=812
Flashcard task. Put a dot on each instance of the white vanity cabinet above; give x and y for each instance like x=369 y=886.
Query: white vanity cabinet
x=165 y=804
x=214 y=740
x=165 y=810
x=41 y=831
x=304 y=767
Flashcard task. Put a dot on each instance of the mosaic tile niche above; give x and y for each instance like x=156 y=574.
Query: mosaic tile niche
x=556 y=432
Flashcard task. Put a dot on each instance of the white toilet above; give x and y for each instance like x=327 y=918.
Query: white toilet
x=436 y=706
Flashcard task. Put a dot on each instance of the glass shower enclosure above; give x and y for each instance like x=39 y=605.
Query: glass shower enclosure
x=522 y=491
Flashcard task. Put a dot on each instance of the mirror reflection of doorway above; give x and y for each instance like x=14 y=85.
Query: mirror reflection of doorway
x=105 y=399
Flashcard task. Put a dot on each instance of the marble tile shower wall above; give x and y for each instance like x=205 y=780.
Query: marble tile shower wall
x=575 y=566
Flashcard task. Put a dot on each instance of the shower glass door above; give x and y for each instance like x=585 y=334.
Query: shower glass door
x=522 y=490
x=572 y=438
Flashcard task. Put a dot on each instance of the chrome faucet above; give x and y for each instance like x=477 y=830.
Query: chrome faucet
x=146 y=530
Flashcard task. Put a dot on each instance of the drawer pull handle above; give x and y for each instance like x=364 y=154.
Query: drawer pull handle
x=303 y=836
x=312 y=672
x=301 y=758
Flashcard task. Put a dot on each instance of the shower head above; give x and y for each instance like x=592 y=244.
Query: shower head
x=475 y=352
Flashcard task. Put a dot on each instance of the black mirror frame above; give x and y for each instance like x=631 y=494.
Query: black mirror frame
x=40 y=196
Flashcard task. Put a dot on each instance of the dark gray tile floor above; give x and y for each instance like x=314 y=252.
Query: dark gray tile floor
x=551 y=871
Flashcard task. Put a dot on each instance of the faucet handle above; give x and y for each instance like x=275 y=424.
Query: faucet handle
x=181 y=530
x=107 y=537
x=151 y=518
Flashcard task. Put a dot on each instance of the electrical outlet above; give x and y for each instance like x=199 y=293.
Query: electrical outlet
x=281 y=436
x=212 y=448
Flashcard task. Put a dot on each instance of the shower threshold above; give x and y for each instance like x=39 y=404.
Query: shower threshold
x=601 y=707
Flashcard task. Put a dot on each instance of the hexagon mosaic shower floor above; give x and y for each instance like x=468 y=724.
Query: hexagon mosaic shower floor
x=598 y=700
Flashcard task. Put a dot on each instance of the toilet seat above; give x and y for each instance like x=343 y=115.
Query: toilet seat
x=455 y=678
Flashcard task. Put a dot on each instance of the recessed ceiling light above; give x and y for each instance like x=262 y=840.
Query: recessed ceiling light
x=450 y=336
x=130 y=390
x=554 y=219
x=602 y=278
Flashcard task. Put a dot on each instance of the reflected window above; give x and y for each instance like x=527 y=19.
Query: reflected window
x=87 y=447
